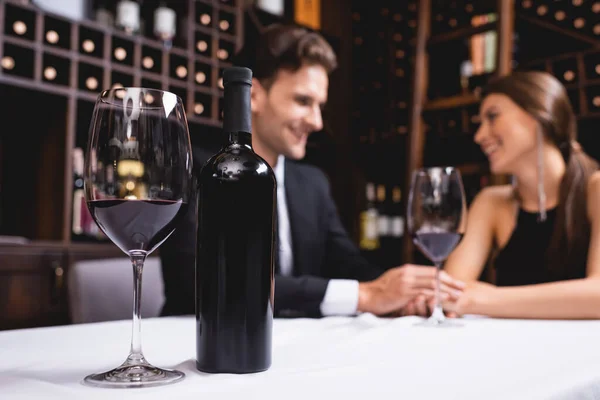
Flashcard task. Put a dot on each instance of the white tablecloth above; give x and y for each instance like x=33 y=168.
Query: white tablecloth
x=319 y=359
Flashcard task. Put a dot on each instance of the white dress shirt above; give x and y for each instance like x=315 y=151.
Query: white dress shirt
x=341 y=295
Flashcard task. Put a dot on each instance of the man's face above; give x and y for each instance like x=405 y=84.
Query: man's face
x=286 y=114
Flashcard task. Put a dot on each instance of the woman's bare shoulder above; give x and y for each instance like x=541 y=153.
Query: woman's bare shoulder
x=496 y=195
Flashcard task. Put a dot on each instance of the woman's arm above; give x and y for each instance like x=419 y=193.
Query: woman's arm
x=575 y=299
x=468 y=259
x=572 y=299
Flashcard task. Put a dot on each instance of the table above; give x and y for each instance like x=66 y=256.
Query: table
x=319 y=359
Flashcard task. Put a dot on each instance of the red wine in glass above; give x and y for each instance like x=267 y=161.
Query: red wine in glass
x=138 y=184
x=436 y=219
x=139 y=225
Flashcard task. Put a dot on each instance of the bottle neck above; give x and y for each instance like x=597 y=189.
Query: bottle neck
x=239 y=138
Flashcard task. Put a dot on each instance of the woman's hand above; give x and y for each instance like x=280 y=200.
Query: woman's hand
x=469 y=302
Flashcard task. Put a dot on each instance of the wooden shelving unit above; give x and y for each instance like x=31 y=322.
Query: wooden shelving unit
x=382 y=71
x=461 y=33
x=208 y=64
x=461 y=100
x=51 y=72
x=427 y=43
x=580 y=73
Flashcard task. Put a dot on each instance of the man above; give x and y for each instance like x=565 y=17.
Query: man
x=319 y=270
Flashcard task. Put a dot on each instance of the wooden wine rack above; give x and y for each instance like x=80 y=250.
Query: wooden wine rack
x=47 y=53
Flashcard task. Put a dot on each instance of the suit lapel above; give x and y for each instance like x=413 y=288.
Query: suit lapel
x=300 y=224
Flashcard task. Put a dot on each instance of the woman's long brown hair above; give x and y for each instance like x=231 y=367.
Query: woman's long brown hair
x=545 y=98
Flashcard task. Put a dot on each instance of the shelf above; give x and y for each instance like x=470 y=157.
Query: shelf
x=473 y=168
x=46 y=87
x=227 y=37
x=451 y=102
x=461 y=33
x=83 y=50
x=207 y=90
x=218 y=4
x=579 y=57
x=227 y=8
x=151 y=76
x=107 y=39
x=589 y=115
x=561 y=56
x=204 y=29
x=562 y=31
x=23 y=42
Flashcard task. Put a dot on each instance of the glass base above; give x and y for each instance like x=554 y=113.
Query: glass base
x=439 y=320
x=134 y=376
x=439 y=323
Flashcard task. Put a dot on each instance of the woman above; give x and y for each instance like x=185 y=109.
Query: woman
x=546 y=226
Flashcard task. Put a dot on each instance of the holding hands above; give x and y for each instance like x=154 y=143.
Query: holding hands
x=399 y=287
x=467 y=302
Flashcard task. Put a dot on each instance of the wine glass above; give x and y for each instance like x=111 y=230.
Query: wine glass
x=437 y=220
x=138 y=182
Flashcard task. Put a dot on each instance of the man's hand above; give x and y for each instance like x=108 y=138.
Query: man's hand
x=398 y=286
x=417 y=306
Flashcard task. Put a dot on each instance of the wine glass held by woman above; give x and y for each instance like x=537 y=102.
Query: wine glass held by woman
x=544 y=229
x=436 y=219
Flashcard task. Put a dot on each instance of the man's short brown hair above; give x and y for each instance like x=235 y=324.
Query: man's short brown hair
x=285 y=47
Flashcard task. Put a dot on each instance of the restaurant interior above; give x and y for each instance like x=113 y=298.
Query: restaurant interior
x=406 y=94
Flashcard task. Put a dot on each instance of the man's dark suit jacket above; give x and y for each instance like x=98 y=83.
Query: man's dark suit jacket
x=322 y=249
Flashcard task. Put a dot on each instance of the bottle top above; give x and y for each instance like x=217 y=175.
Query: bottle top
x=380 y=193
x=370 y=191
x=237 y=116
x=237 y=75
x=396 y=194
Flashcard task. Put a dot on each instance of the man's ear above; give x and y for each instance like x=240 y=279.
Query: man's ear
x=258 y=96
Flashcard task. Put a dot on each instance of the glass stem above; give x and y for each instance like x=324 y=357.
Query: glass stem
x=438 y=312
x=135 y=355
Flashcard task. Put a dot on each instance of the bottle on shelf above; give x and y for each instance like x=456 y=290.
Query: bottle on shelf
x=56 y=32
x=235 y=245
x=483 y=49
x=19 y=22
x=151 y=59
x=83 y=226
x=128 y=16
x=369 y=238
x=466 y=71
x=91 y=42
x=103 y=13
x=78 y=192
x=383 y=219
x=90 y=77
x=165 y=24
x=275 y=7
x=397 y=218
x=17 y=61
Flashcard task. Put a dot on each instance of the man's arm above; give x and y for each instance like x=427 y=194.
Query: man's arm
x=299 y=296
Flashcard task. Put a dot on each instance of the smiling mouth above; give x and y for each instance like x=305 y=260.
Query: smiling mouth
x=299 y=134
x=490 y=150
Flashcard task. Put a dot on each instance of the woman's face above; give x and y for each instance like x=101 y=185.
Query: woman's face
x=507 y=134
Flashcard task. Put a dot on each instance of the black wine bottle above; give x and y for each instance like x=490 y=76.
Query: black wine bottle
x=235 y=248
